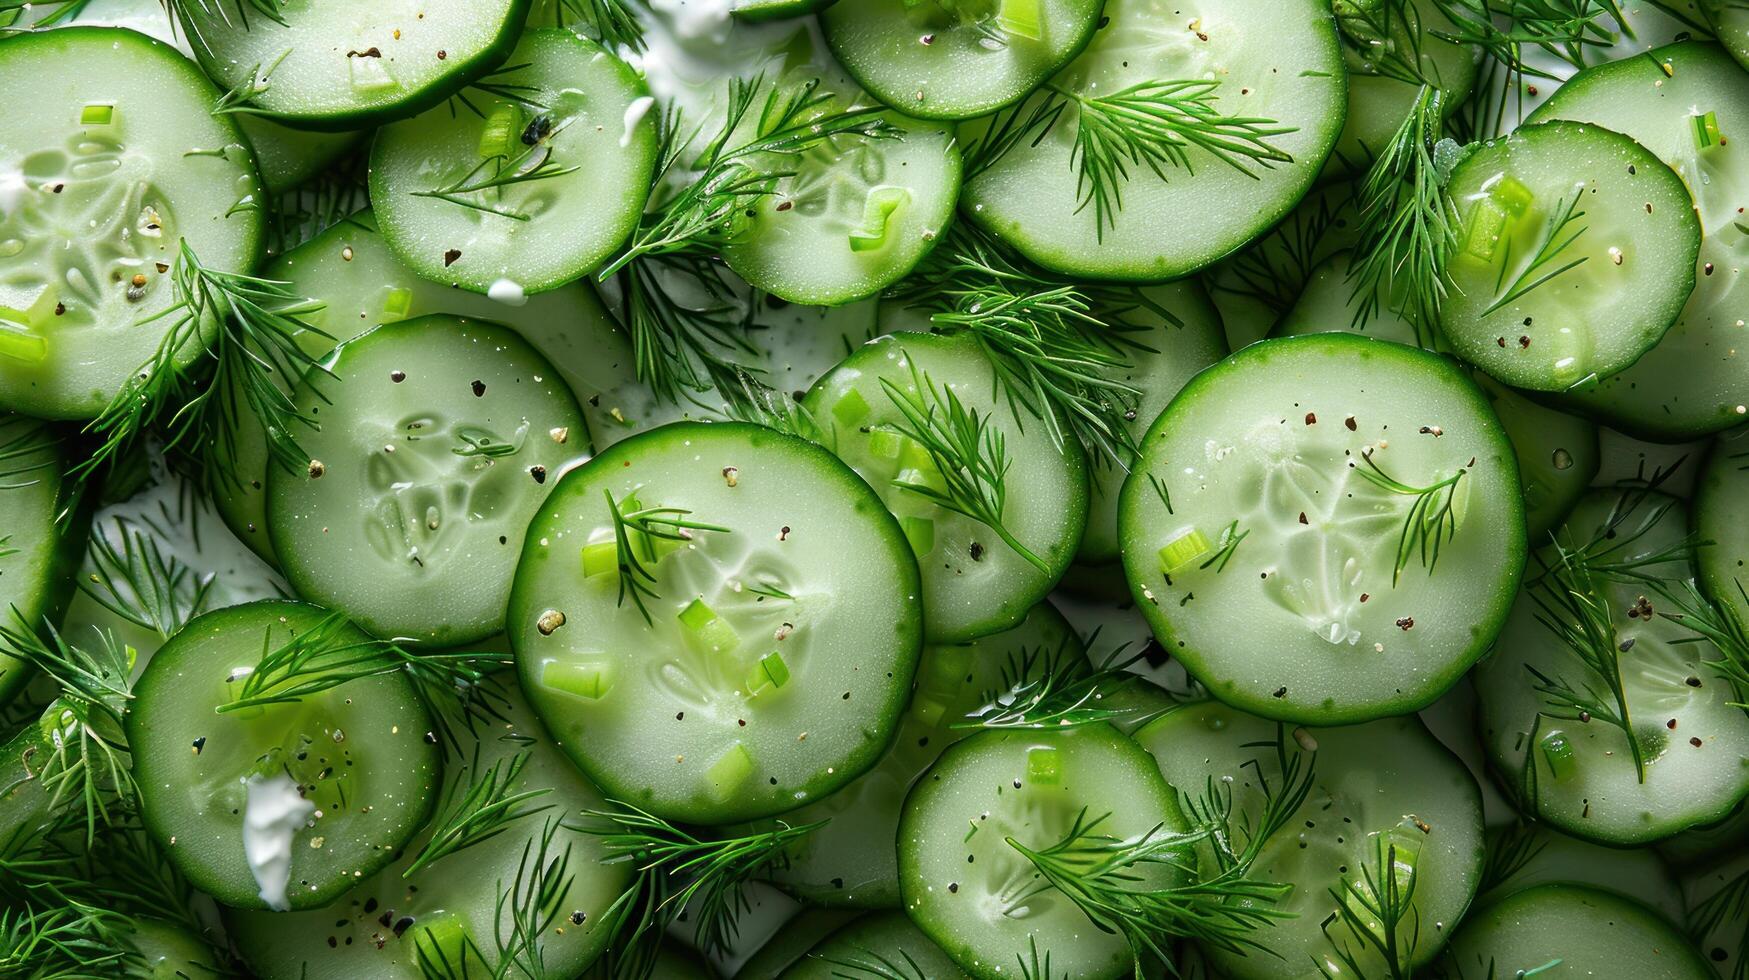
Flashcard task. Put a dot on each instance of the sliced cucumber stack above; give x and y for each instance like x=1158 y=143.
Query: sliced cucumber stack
x=328 y=64
x=439 y=439
x=1569 y=930
x=1255 y=288
x=1685 y=103
x=1547 y=715
x=1353 y=503
x=1271 y=70
x=117 y=167
x=1387 y=803
x=42 y=534
x=973 y=892
x=736 y=588
x=877 y=945
x=944 y=59
x=1526 y=855
x=1576 y=253
x=278 y=804
x=535 y=186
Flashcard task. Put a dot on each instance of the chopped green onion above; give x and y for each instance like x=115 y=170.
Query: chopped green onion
x=1184 y=549
x=1020 y=18
x=705 y=631
x=731 y=769
x=589 y=679
x=1044 y=765
x=600 y=558
x=500 y=133
x=886 y=444
x=20 y=343
x=97 y=114
x=771 y=672
x=399 y=302
x=877 y=214
x=920 y=532
x=1558 y=752
x=1706 y=130
x=1487 y=226
x=850 y=409
x=1512 y=196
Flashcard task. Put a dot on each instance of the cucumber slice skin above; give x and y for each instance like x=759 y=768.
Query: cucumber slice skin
x=362 y=285
x=288 y=157
x=1695 y=848
x=760 y=11
x=160 y=106
x=231 y=52
x=465 y=884
x=1731 y=23
x=1591 y=933
x=40 y=549
x=1369 y=781
x=873 y=944
x=1030 y=198
x=1600 y=798
x=1525 y=855
x=567 y=235
x=1690 y=384
x=1435 y=624
x=377 y=727
x=1181 y=349
x=1720 y=503
x=961 y=904
x=356 y=530
x=923 y=60
x=1634 y=227
x=1716 y=922
x=853 y=860
x=696 y=697
x=965 y=597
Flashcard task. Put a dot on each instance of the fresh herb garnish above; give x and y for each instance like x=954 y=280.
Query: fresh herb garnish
x=1552 y=242
x=140 y=582
x=480 y=809
x=1431 y=521
x=634 y=534
x=1377 y=912
x=481 y=189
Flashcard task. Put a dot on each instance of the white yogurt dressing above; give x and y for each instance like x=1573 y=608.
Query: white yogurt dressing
x=507 y=291
x=635 y=114
x=273 y=815
x=12 y=191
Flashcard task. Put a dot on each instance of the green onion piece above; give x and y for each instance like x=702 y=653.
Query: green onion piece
x=1558 y=753
x=877 y=213
x=1706 y=130
x=1044 y=765
x=19 y=343
x=886 y=444
x=1487 y=226
x=589 y=679
x=97 y=114
x=444 y=939
x=925 y=474
x=1021 y=18
x=500 y=133
x=850 y=409
x=726 y=775
x=399 y=303
x=1512 y=196
x=771 y=672
x=705 y=631
x=600 y=558
x=1184 y=549
x=920 y=532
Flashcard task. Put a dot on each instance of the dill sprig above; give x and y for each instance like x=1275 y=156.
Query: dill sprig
x=1374 y=910
x=527 y=908
x=62 y=12
x=1511 y=853
x=26 y=447
x=255 y=356
x=863 y=963
x=533 y=163
x=1431 y=521
x=1714 y=622
x=738 y=165
x=1506 y=31
x=1058 y=698
x=1033 y=966
x=480 y=809
x=634 y=535
x=1386 y=35
x=1228 y=545
x=141 y=583
x=679 y=872
x=612 y=22
x=1275 y=270
x=66 y=941
x=1553 y=240
x=1408 y=223
x=680 y=346
x=967 y=452
x=240 y=98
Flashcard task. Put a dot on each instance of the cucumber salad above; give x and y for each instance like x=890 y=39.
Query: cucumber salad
x=874 y=489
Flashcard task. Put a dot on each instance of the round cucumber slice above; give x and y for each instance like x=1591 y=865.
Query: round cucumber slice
x=1718 y=920
x=853 y=219
x=42 y=533
x=282 y=805
x=1576 y=253
x=169 y=952
x=980 y=899
x=853 y=860
x=1177 y=334
x=330 y=64
x=943 y=59
x=1383 y=794
x=1525 y=855
x=116 y=165
x=439 y=439
x=1569 y=930
x=1275 y=60
x=568 y=124
x=1580 y=776
x=1384 y=43
x=1721 y=503
x=1685 y=103
x=1730 y=20
x=1353 y=503
x=376 y=930
x=974 y=581
x=879 y=945
x=773 y=644
x=360 y=283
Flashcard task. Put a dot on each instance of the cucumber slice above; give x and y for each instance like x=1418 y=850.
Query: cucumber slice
x=854 y=218
x=973 y=893
x=1327 y=304
x=1336 y=495
x=334 y=65
x=1718 y=922
x=1580 y=777
x=1692 y=383
x=758 y=11
x=1695 y=848
x=598 y=153
x=360 y=284
x=375 y=930
x=945 y=59
x=288 y=157
x=42 y=533
x=1524 y=856
x=281 y=805
x=853 y=861
x=1274 y=59
x=1386 y=790
x=1730 y=20
x=1379 y=63
x=776 y=655
x=1260 y=284
x=881 y=945
x=169 y=952
x=1576 y=253
x=114 y=165
x=1179 y=335
x=974 y=582
x=1569 y=931
x=790 y=944
x=439 y=439
x=1719 y=518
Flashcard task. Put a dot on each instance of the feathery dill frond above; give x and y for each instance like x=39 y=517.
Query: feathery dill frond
x=480 y=809
x=1375 y=910
x=1431 y=521
x=140 y=582
x=635 y=534
x=1555 y=238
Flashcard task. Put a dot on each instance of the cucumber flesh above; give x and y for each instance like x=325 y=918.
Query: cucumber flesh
x=776 y=655
x=1719 y=514
x=1250 y=505
x=1717 y=919
x=1568 y=930
x=1526 y=855
x=1730 y=22
x=288 y=157
x=42 y=533
x=1576 y=253
x=876 y=946
x=790 y=944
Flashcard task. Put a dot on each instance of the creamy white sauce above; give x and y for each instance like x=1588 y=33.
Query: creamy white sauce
x=507 y=291
x=635 y=114
x=273 y=815
x=12 y=191
x=697 y=20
